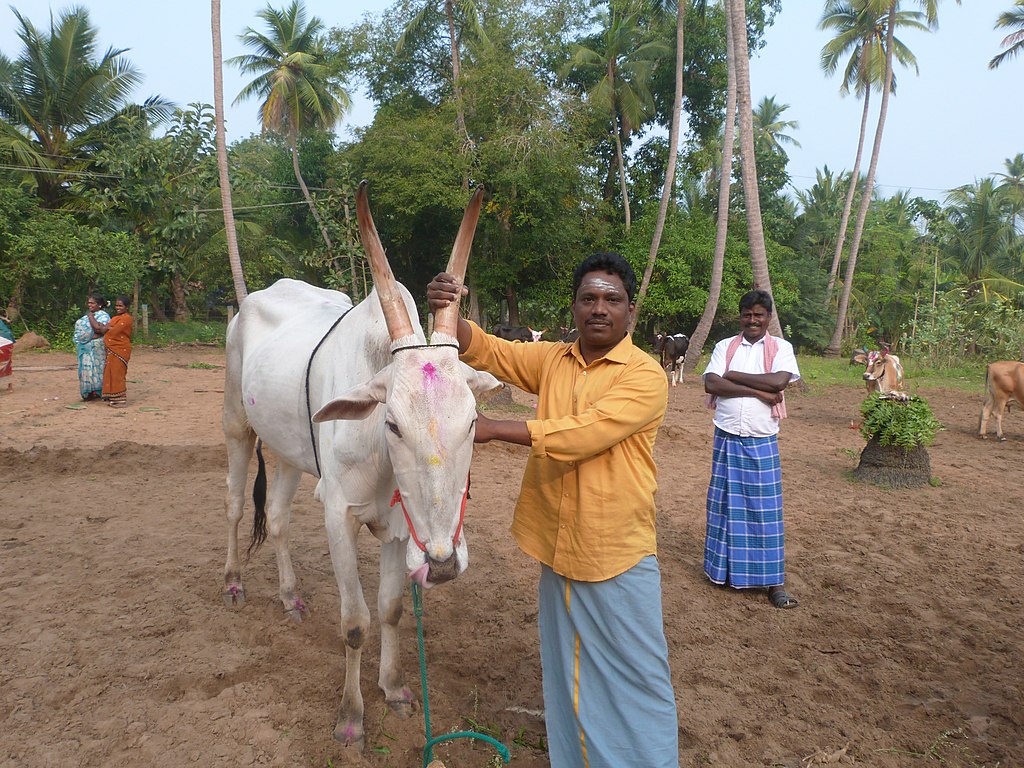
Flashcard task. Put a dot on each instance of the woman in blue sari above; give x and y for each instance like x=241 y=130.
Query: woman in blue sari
x=91 y=352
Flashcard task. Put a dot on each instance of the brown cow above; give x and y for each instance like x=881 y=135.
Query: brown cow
x=1004 y=381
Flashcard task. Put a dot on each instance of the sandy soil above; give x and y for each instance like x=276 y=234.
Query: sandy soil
x=117 y=650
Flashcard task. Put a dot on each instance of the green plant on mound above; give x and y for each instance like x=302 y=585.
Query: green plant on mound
x=903 y=424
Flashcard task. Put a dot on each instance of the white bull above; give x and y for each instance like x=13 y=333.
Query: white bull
x=383 y=419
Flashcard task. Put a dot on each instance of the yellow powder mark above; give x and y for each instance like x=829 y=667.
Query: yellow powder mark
x=434 y=460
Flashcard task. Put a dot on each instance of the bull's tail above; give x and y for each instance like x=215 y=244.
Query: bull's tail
x=259 y=503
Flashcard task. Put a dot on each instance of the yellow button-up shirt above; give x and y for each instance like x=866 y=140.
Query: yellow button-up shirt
x=586 y=506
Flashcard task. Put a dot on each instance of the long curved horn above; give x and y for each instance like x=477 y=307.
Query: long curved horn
x=396 y=315
x=446 y=320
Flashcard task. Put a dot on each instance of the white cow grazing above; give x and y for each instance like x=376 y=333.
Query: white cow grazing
x=387 y=413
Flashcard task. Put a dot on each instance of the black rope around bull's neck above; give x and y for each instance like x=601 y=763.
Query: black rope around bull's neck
x=309 y=408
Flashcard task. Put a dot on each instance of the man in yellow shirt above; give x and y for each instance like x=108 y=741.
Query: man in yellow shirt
x=586 y=511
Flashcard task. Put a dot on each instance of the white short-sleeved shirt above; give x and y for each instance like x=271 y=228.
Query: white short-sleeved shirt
x=749 y=416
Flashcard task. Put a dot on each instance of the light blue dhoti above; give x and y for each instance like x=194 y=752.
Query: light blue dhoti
x=608 y=698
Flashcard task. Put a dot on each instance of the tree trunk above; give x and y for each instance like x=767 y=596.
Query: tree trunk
x=865 y=202
x=619 y=156
x=179 y=307
x=234 y=258
x=351 y=247
x=748 y=165
x=473 y=303
x=157 y=308
x=700 y=334
x=892 y=466
x=15 y=302
x=848 y=205
x=305 y=193
x=460 y=115
x=512 y=302
x=670 y=170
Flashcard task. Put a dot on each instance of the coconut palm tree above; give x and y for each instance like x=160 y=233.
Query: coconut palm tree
x=930 y=10
x=234 y=258
x=625 y=65
x=822 y=205
x=1013 y=42
x=748 y=165
x=1013 y=183
x=297 y=89
x=673 y=150
x=769 y=126
x=703 y=329
x=860 y=32
x=59 y=97
x=983 y=238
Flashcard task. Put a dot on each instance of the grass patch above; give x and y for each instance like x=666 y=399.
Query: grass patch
x=191 y=332
x=204 y=366
x=819 y=373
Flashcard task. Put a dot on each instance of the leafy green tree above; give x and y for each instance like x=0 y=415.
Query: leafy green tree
x=52 y=262
x=59 y=97
x=462 y=18
x=167 y=191
x=299 y=91
x=1013 y=42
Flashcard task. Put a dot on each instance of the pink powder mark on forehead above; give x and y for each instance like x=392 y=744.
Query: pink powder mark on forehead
x=429 y=372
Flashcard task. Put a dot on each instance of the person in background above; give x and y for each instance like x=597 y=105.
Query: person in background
x=117 y=338
x=744 y=381
x=91 y=349
x=586 y=512
x=6 y=353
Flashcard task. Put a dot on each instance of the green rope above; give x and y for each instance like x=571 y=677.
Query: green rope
x=428 y=749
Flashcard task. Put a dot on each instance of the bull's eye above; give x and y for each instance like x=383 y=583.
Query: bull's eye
x=394 y=429
x=472 y=425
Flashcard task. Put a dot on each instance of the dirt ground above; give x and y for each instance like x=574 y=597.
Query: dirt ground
x=117 y=649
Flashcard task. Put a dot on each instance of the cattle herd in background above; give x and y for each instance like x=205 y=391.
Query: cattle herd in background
x=883 y=372
x=1004 y=384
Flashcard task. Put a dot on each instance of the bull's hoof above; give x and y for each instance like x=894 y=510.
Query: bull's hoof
x=402 y=707
x=296 y=610
x=351 y=736
x=234 y=596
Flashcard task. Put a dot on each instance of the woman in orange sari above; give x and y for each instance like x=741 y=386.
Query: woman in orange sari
x=117 y=338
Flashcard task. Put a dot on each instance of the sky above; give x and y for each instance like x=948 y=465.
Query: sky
x=954 y=123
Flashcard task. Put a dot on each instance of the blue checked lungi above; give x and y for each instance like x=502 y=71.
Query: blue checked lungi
x=744 y=542
x=608 y=699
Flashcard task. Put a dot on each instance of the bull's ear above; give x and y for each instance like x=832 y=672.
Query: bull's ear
x=479 y=382
x=358 y=402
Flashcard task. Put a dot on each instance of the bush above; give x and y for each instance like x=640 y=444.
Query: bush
x=904 y=424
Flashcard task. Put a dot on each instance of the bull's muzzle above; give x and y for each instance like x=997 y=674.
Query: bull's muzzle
x=439 y=571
